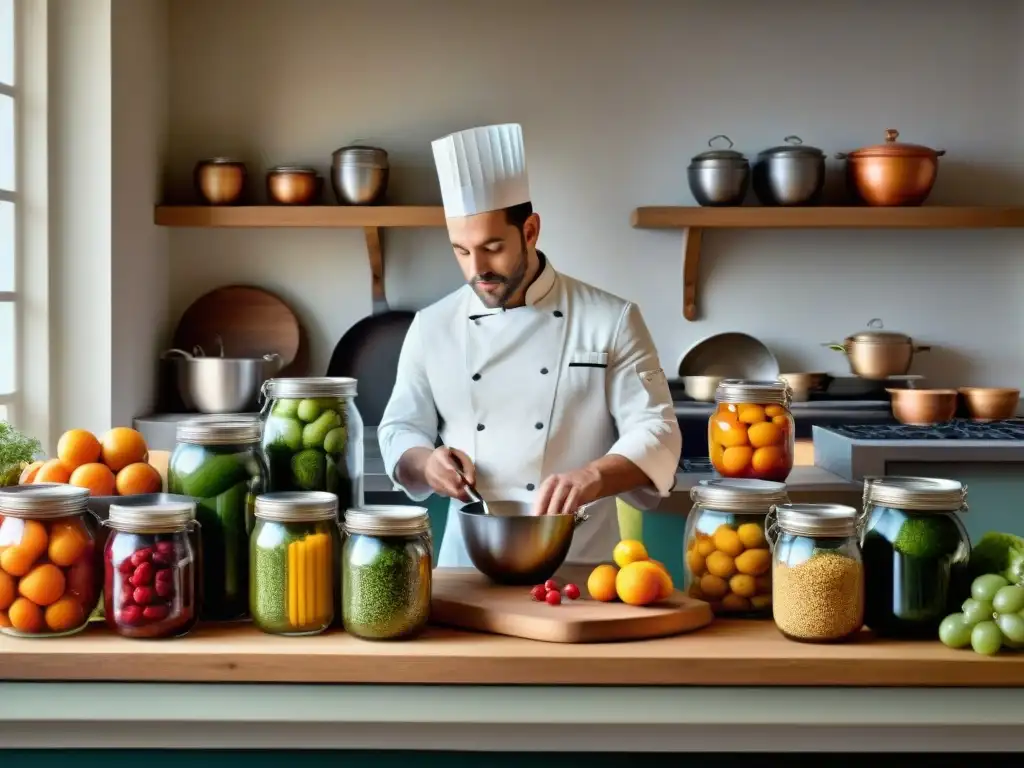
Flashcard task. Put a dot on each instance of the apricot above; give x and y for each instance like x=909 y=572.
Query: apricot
x=25 y=616
x=43 y=585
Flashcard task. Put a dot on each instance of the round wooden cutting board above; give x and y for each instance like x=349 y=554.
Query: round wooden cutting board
x=250 y=321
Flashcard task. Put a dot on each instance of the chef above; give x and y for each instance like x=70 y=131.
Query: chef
x=545 y=389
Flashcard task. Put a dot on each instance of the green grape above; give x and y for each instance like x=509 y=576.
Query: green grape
x=955 y=632
x=986 y=638
x=985 y=587
x=976 y=610
x=1012 y=627
x=1009 y=599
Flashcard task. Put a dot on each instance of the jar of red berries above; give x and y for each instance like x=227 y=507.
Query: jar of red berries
x=150 y=566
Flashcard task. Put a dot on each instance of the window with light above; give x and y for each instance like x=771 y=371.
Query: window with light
x=8 y=215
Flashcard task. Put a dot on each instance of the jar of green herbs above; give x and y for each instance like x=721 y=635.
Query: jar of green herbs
x=292 y=557
x=386 y=565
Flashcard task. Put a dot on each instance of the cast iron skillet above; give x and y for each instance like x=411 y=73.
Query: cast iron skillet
x=369 y=352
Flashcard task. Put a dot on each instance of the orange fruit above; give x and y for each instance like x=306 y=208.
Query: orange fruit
x=601 y=583
x=766 y=459
x=77 y=447
x=28 y=474
x=7 y=591
x=33 y=539
x=25 y=616
x=43 y=585
x=667 y=587
x=751 y=413
x=729 y=433
x=735 y=460
x=122 y=446
x=64 y=615
x=96 y=477
x=639 y=583
x=52 y=471
x=765 y=433
x=139 y=477
x=68 y=542
x=628 y=551
x=4 y=621
x=16 y=561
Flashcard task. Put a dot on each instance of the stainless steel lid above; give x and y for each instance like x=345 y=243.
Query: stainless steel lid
x=227 y=429
x=169 y=517
x=916 y=494
x=317 y=386
x=749 y=391
x=877 y=336
x=386 y=520
x=357 y=154
x=817 y=520
x=305 y=169
x=729 y=154
x=43 y=501
x=794 y=147
x=739 y=495
x=297 y=506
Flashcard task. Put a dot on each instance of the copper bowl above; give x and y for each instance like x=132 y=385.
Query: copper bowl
x=991 y=403
x=923 y=407
x=293 y=185
x=892 y=173
x=220 y=180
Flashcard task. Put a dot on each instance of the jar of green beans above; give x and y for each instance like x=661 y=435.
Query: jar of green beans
x=386 y=565
x=292 y=556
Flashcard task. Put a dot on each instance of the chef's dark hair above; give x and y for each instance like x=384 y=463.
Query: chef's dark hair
x=517 y=215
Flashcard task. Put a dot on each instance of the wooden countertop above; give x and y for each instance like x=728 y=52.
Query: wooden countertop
x=728 y=653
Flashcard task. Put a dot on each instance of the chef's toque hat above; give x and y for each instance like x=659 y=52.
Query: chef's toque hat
x=482 y=169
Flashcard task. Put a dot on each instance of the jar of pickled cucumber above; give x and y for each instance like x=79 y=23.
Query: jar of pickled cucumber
x=217 y=461
x=728 y=562
x=292 y=554
x=313 y=437
x=751 y=433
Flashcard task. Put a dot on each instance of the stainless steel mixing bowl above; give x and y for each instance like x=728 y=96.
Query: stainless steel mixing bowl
x=512 y=546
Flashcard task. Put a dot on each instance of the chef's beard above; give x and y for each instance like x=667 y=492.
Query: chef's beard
x=509 y=283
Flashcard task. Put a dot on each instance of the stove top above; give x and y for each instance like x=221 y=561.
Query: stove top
x=959 y=429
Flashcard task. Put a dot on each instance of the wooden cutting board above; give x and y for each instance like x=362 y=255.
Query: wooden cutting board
x=465 y=598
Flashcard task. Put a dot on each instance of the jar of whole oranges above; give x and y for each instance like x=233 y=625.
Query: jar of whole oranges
x=751 y=433
x=50 y=567
x=728 y=562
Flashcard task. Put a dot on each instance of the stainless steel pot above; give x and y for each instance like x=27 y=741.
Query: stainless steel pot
x=510 y=545
x=221 y=384
x=719 y=177
x=359 y=174
x=790 y=174
x=878 y=354
x=702 y=388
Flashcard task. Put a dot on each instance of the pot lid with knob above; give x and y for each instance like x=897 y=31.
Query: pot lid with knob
x=794 y=147
x=719 y=156
x=893 y=148
x=875 y=335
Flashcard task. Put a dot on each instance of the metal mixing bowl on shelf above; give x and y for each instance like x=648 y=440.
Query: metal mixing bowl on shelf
x=512 y=546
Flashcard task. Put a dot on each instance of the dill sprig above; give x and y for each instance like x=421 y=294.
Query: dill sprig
x=16 y=450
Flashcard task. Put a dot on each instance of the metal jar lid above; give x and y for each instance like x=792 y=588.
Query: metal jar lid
x=794 y=147
x=43 y=501
x=304 y=170
x=893 y=148
x=357 y=154
x=226 y=429
x=316 y=386
x=916 y=494
x=169 y=517
x=739 y=495
x=221 y=161
x=719 y=156
x=387 y=520
x=297 y=506
x=877 y=336
x=749 y=391
x=817 y=520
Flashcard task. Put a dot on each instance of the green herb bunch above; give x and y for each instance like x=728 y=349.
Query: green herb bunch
x=16 y=452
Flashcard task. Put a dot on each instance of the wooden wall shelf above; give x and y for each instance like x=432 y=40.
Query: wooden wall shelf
x=372 y=219
x=694 y=220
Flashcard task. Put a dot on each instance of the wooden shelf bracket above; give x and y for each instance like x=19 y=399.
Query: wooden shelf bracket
x=692 y=237
x=375 y=253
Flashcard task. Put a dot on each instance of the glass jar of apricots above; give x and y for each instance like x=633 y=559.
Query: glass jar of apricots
x=751 y=433
x=728 y=562
x=50 y=574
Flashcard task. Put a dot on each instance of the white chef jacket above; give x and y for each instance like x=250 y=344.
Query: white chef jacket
x=533 y=391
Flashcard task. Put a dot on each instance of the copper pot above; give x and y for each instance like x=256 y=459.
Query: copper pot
x=991 y=403
x=220 y=180
x=922 y=407
x=877 y=354
x=293 y=185
x=892 y=173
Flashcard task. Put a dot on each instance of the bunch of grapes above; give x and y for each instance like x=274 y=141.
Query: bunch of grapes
x=992 y=617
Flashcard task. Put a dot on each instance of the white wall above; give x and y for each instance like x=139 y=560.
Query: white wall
x=615 y=98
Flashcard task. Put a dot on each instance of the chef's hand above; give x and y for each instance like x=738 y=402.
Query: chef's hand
x=563 y=494
x=441 y=472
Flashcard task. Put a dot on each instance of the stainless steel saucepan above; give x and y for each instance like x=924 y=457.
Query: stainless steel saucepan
x=221 y=384
x=511 y=546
